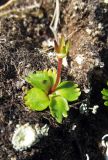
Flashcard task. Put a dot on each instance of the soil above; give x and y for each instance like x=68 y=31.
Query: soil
x=22 y=34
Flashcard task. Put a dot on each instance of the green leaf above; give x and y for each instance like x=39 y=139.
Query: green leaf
x=105 y=92
x=52 y=74
x=68 y=90
x=62 y=43
x=106 y=103
x=40 y=79
x=58 y=108
x=67 y=47
x=62 y=48
x=36 y=99
x=105 y=97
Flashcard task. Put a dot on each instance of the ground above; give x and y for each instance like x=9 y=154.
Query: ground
x=23 y=35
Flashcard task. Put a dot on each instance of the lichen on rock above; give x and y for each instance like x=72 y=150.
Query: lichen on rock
x=26 y=136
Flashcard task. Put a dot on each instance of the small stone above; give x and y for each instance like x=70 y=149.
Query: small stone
x=86 y=90
x=89 y=31
x=28 y=65
x=13 y=158
x=65 y=64
x=100 y=26
x=79 y=59
x=101 y=64
x=83 y=108
x=82 y=6
x=20 y=83
x=90 y=22
x=74 y=127
x=97 y=33
x=48 y=43
x=76 y=7
x=2 y=131
x=44 y=44
x=97 y=61
x=106 y=1
x=10 y=122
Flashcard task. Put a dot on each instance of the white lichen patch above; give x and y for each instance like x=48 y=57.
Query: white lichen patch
x=105 y=144
x=106 y=1
x=94 y=109
x=87 y=156
x=106 y=151
x=83 y=108
x=86 y=90
x=79 y=59
x=25 y=136
x=13 y=158
x=100 y=26
x=41 y=131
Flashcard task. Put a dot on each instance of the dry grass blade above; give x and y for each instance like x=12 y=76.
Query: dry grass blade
x=10 y=2
x=17 y=11
x=55 y=20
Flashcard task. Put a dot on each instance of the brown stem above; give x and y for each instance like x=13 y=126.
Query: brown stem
x=58 y=75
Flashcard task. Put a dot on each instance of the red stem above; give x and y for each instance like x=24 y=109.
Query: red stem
x=58 y=75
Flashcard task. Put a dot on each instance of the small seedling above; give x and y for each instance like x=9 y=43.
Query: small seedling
x=105 y=95
x=49 y=91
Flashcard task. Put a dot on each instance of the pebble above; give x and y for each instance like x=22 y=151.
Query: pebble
x=86 y=90
x=10 y=122
x=100 y=26
x=89 y=31
x=83 y=108
x=97 y=61
x=101 y=64
x=13 y=158
x=79 y=59
x=106 y=1
x=65 y=63
x=74 y=127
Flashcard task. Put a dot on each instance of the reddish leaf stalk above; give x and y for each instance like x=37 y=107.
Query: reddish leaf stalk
x=59 y=68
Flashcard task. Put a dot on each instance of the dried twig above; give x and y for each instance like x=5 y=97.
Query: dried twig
x=19 y=11
x=55 y=20
x=7 y=4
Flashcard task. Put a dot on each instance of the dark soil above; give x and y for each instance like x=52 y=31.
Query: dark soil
x=21 y=51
